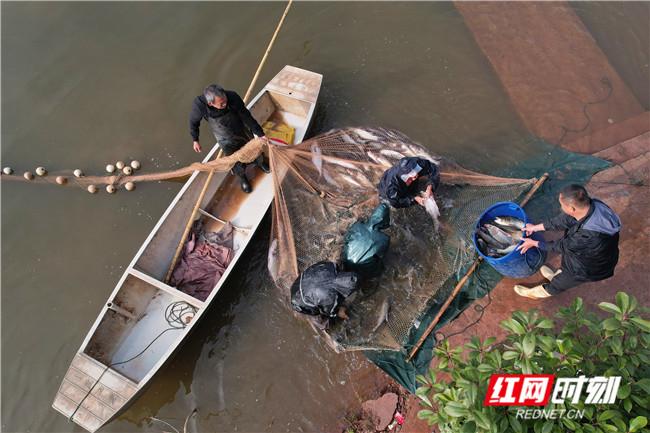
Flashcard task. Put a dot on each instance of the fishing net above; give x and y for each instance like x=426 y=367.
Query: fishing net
x=325 y=184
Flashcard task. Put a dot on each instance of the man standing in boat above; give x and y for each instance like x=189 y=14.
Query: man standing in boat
x=232 y=125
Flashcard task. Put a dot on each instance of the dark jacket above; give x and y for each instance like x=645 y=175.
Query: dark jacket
x=320 y=289
x=201 y=110
x=394 y=190
x=589 y=247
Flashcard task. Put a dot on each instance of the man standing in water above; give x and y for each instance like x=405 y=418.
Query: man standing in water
x=229 y=118
x=589 y=246
x=397 y=186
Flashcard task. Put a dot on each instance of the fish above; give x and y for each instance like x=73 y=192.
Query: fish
x=318 y=163
x=379 y=159
x=499 y=235
x=383 y=314
x=489 y=240
x=507 y=220
x=348 y=139
x=366 y=135
x=431 y=207
x=391 y=154
x=350 y=180
x=508 y=250
x=512 y=231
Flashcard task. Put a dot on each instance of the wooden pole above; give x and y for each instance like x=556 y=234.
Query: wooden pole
x=460 y=284
x=211 y=174
x=268 y=49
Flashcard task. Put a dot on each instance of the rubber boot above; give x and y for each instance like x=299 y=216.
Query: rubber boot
x=264 y=166
x=245 y=186
x=537 y=292
x=548 y=273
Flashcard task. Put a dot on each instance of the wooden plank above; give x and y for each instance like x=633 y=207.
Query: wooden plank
x=297 y=83
x=92 y=404
x=101 y=391
x=94 y=370
x=82 y=417
x=171 y=290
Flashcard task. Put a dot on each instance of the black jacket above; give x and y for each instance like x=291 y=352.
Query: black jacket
x=393 y=189
x=201 y=110
x=589 y=247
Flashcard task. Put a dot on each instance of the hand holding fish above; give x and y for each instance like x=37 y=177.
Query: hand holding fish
x=530 y=228
x=527 y=243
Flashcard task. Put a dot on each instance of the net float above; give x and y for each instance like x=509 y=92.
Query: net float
x=130 y=186
x=135 y=165
x=110 y=168
x=110 y=189
x=41 y=171
x=92 y=189
x=61 y=180
x=119 y=165
x=127 y=170
x=78 y=173
x=7 y=170
x=28 y=175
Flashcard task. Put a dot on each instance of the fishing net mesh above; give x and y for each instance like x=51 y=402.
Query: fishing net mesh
x=325 y=184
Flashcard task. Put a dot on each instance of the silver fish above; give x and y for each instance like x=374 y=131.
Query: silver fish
x=391 y=154
x=489 y=240
x=499 y=235
x=431 y=207
x=383 y=314
x=508 y=250
x=510 y=221
x=366 y=135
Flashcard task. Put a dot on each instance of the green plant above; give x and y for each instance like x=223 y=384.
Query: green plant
x=590 y=346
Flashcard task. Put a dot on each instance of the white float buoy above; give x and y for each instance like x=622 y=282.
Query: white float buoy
x=61 y=180
x=7 y=170
x=28 y=175
x=127 y=170
x=78 y=173
x=136 y=165
x=119 y=165
x=41 y=171
x=92 y=189
x=110 y=168
x=110 y=189
x=130 y=186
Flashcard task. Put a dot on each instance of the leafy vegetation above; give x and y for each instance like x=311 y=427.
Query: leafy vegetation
x=588 y=345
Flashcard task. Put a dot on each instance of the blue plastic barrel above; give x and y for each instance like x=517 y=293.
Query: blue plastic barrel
x=515 y=264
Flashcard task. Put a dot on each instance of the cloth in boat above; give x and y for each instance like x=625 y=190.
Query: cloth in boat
x=204 y=259
x=393 y=188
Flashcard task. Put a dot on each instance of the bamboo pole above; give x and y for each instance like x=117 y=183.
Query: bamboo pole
x=268 y=49
x=460 y=284
x=211 y=174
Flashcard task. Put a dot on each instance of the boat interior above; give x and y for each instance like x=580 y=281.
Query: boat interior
x=135 y=331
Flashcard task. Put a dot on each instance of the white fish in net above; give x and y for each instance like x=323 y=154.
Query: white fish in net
x=431 y=207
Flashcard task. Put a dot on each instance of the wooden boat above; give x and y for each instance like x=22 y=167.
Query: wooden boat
x=132 y=339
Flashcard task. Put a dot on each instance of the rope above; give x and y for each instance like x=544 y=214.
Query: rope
x=174 y=314
x=603 y=80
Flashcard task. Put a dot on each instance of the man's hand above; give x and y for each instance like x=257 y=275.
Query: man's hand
x=197 y=147
x=419 y=199
x=527 y=244
x=429 y=191
x=530 y=228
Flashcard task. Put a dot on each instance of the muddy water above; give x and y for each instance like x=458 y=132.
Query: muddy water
x=88 y=84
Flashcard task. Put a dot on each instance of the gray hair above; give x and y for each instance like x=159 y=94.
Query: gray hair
x=213 y=91
x=575 y=195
